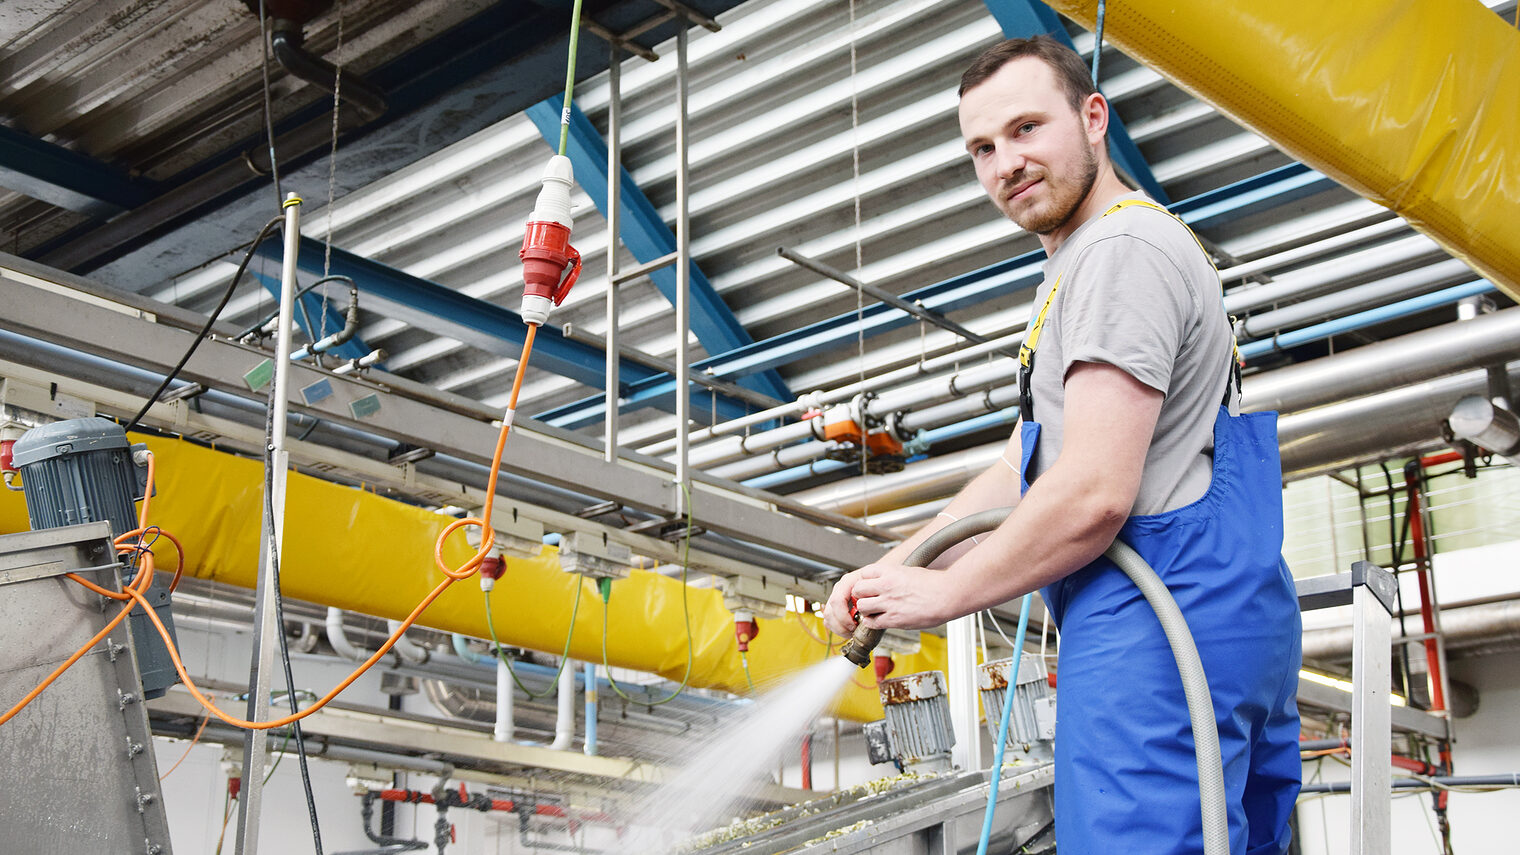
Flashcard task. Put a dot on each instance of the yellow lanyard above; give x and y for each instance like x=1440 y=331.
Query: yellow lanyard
x=1032 y=338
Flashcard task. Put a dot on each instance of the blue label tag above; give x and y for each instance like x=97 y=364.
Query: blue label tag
x=317 y=391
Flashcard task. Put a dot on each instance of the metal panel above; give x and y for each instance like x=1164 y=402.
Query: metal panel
x=77 y=768
x=416 y=418
x=1371 y=739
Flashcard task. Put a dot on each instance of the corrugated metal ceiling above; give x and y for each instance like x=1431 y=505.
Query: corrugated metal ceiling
x=778 y=121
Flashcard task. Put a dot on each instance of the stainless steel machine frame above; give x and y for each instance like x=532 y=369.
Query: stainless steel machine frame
x=77 y=771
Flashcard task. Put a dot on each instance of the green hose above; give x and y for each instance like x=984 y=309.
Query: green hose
x=564 y=117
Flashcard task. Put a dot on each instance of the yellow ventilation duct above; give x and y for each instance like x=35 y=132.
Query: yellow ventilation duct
x=352 y=549
x=1411 y=103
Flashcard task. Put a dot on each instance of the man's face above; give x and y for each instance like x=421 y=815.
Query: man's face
x=1033 y=153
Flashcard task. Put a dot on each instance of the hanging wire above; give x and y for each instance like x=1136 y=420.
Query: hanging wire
x=274 y=167
x=564 y=655
x=685 y=613
x=332 y=171
x=1098 y=43
x=860 y=300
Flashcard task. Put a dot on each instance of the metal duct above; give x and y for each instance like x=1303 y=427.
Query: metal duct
x=1405 y=420
x=921 y=482
x=1322 y=278
x=1477 y=420
x=1256 y=266
x=1400 y=361
x=1465 y=628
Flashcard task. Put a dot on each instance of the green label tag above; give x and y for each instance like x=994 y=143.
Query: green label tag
x=365 y=406
x=260 y=375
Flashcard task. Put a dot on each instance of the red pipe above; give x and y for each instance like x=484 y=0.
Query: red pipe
x=807 y=762
x=1430 y=460
x=1427 y=615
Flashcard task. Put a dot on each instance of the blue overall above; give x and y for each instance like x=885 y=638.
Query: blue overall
x=1126 y=776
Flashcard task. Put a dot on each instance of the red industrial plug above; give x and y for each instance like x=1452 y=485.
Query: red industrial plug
x=884 y=666
x=745 y=629
x=7 y=463
x=491 y=569
x=550 y=264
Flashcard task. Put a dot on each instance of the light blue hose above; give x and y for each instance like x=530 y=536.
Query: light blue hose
x=1002 y=739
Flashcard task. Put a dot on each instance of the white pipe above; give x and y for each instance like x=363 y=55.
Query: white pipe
x=506 y=706
x=564 y=723
x=1380 y=292
x=339 y=640
x=407 y=649
x=926 y=368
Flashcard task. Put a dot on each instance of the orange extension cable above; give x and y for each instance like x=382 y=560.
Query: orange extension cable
x=135 y=590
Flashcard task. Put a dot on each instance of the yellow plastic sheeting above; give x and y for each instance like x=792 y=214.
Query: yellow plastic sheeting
x=1411 y=103
x=357 y=551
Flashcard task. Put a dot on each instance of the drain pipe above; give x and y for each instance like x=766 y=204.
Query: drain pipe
x=590 y=746
x=564 y=724
x=285 y=44
x=339 y=639
x=506 y=704
x=407 y=649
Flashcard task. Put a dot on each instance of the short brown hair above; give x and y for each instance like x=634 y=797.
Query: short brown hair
x=1065 y=63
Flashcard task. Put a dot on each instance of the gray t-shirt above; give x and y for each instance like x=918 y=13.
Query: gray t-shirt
x=1137 y=292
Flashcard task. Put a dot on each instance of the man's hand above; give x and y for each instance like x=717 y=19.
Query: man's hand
x=889 y=596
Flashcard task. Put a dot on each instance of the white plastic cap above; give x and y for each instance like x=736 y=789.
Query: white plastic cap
x=535 y=309
x=553 y=202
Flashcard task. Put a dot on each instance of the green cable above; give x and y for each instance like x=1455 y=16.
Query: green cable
x=685 y=611
x=280 y=756
x=744 y=660
x=563 y=657
x=564 y=118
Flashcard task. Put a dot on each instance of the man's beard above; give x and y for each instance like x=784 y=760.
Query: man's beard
x=1064 y=199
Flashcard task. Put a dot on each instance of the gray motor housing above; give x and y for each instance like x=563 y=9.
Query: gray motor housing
x=80 y=471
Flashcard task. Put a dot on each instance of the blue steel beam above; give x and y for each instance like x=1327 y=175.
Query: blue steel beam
x=328 y=317
x=480 y=324
x=645 y=234
x=1216 y=207
x=66 y=178
x=1025 y=18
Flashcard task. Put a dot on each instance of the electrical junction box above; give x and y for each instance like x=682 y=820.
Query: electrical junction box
x=757 y=596
x=515 y=535
x=594 y=555
x=48 y=403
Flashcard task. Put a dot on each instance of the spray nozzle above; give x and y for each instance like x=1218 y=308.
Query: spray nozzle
x=858 y=648
x=550 y=264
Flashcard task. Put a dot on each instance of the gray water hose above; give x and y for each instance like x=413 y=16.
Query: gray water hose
x=1216 y=827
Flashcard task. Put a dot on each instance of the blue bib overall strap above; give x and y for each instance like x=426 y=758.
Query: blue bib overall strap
x=1126 y=780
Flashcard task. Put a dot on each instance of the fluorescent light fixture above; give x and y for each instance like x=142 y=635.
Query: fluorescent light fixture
x=1343 y=684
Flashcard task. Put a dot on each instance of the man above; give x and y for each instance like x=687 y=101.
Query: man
x=1123 y=435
